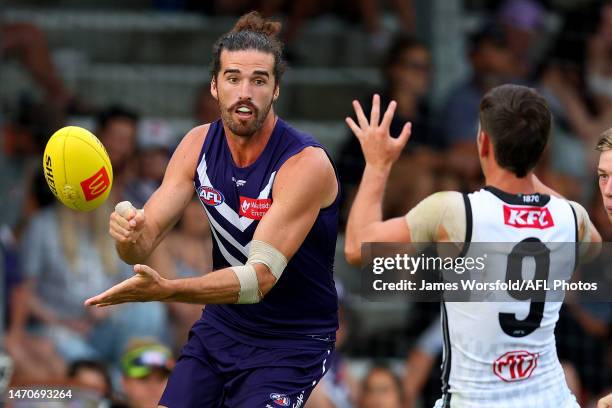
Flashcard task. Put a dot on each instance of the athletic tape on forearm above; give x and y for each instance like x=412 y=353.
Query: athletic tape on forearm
x=249 y=285
x=264 y=253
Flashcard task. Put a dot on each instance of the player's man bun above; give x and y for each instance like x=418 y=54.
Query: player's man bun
x=254 y=22
x=251 y=32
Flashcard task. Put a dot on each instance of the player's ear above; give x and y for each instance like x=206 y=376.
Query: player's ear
x=484 y=143
x=276 y=92
x=213 y=88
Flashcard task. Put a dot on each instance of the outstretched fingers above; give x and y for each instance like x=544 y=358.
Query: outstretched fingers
x=356 y=129
x=405 y=135
x=375 y=113
x=361 y=118
x=388 y=117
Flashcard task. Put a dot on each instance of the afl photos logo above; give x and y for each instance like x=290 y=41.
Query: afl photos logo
x=96 y=185
x=515 y=365
x=210 y=196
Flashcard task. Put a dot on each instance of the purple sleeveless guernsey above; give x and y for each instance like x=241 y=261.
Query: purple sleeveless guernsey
x=301 y=310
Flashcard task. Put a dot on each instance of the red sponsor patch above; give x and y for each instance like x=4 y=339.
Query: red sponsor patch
x=254 y=208
x=515 y=365
x=528 y=217
x=210 y=196
x=96 y=185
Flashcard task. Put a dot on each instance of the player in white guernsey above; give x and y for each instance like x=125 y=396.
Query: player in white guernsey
x=604 y=176
x=496 y=354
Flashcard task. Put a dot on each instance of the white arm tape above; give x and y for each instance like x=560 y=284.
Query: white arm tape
x=249 y=285
x=264 y=253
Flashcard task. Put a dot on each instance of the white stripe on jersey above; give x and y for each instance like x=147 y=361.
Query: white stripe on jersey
x=228 y=257
x=228 y=237
x=242 y=223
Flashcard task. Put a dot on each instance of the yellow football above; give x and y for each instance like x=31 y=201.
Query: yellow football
x=77 y=168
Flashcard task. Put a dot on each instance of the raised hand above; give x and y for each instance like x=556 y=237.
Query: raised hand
x=379 y=148
x=145 y=286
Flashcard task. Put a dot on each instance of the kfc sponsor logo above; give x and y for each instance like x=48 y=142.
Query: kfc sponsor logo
x=210 y=196
x=515 y=365
x=254 y=208
x=528 y=217
x=96 y=185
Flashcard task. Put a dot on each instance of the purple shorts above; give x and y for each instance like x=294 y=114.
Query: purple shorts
x=216 y=371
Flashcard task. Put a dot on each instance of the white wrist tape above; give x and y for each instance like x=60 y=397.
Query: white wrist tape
x=264 y=253
x=249 y=285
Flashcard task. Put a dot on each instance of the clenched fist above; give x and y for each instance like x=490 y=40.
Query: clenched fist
x=126 y=223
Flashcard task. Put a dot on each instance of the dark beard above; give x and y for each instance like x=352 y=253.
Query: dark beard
x=249 y=129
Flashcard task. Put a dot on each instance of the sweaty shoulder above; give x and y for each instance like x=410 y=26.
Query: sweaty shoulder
x=196 y=136
x=438 y=218
x=188 y=151
x=584 y=222
x=311 y=167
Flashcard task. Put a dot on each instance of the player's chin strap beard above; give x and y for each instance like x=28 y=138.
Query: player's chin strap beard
x=264 y=253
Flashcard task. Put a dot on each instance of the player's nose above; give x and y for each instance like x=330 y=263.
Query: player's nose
x=246 y=91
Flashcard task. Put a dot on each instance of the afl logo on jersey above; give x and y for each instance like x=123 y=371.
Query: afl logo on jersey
x=515 y=365
x=210 y=196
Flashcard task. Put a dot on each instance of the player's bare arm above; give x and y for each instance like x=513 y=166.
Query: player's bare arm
x=586 y=230
x=605 y=402
x=304 y=184
x=138 y=233
x=380 y=150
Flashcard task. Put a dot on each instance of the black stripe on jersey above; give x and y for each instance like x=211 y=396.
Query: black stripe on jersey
x=575 y=221
x=534 y=200
x=446 y=364
x=468 y=225
x=577 y=244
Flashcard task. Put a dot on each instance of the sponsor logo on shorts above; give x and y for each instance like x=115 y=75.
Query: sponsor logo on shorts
x=254 y=208
x=210 y=196
x=528 y=217
x=280 y=399
x=515 y=365
x=300 y=401
x=96 y=185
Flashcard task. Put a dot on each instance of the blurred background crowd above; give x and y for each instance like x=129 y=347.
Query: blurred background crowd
x=135 y=72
